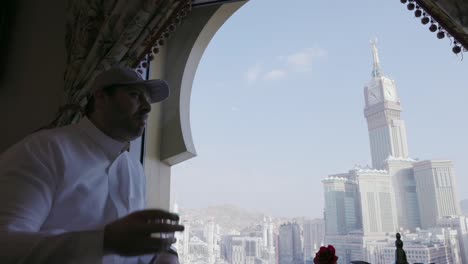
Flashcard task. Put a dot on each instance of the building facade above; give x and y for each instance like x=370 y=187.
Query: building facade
x=460 y=224
x=435 y=186
x=290 y=244
x=348 y=247
x=406 y=197
x=342 y=210
x=314 y=237
x=377 y=202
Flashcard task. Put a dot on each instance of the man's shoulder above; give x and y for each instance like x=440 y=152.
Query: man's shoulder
x=45 y=139
x=59 y=135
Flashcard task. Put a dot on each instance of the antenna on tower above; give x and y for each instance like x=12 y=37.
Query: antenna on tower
x=376 y=70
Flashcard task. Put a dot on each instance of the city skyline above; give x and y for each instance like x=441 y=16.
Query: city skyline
x=366 y=206
x=290 y=113
x=210 y=238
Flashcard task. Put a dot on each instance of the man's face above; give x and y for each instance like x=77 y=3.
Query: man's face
x=125 y=112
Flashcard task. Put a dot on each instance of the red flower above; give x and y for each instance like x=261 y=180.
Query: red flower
x=326 y=255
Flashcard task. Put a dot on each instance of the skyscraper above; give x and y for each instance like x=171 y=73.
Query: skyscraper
x=268 y=240
x=314 y=236
x=435 y=185
x=387 y=132
x=388 y=142
x=243 y=249
x=404 y=186
x=424 y=191
x=342 y=212
x=211 y=241
x=377 y=202
x=185 y=243
x=290 y=244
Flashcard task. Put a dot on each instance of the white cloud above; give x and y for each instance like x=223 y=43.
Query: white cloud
x=235 y=109
x=253 y=72
x=302 y=61
x=275 y=75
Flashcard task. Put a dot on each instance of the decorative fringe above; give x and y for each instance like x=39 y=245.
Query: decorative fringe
x=433 y=25
x=166 y=34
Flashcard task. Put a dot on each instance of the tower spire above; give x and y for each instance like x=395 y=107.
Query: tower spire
x=376 y=71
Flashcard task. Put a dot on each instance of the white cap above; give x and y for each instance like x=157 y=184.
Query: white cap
x=121 y=76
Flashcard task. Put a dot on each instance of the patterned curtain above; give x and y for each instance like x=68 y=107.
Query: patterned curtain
x=104 y=33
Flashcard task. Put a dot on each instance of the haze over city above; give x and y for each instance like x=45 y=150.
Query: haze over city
x=278 y=99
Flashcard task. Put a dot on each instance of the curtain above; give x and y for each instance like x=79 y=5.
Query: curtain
x=104 y=33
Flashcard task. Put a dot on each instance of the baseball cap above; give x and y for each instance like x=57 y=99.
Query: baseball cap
x=121 y=76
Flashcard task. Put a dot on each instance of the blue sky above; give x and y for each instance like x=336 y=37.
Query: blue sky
x=277 y=102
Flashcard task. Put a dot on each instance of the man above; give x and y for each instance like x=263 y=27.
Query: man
x=75 y=195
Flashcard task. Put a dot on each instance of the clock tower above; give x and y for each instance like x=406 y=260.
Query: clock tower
x=387 y=132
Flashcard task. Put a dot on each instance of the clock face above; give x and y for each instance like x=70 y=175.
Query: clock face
x=374 y=94
x=390 y=91
x=389 y=94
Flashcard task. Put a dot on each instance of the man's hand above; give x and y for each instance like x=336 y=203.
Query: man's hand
x=132 y=234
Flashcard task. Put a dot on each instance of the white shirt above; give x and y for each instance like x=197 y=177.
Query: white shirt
x=59 y=188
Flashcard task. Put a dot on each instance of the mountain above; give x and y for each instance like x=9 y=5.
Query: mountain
x=227 y=216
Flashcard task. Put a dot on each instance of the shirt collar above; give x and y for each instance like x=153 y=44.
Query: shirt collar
x=111 y=147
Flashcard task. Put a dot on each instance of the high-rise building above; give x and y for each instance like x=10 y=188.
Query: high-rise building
x=404 y=186
x=388 y=142
x=267 y=229
x=435 y=186
x=184 y=255
x=424 y=191
x=253 y=249
x=210 y=238
x=342 y=212
x=290 y=244
x=265 y=232
x=233 y=249
x=348 y=247
x=377 y=202
x=387 y=132
x=452 y=240
x=268 y=240
x=243 y=249
x=238 y=253
x=314 y=236
x=198 y=249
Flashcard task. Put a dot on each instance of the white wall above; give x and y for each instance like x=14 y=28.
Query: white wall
x=169 y=139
